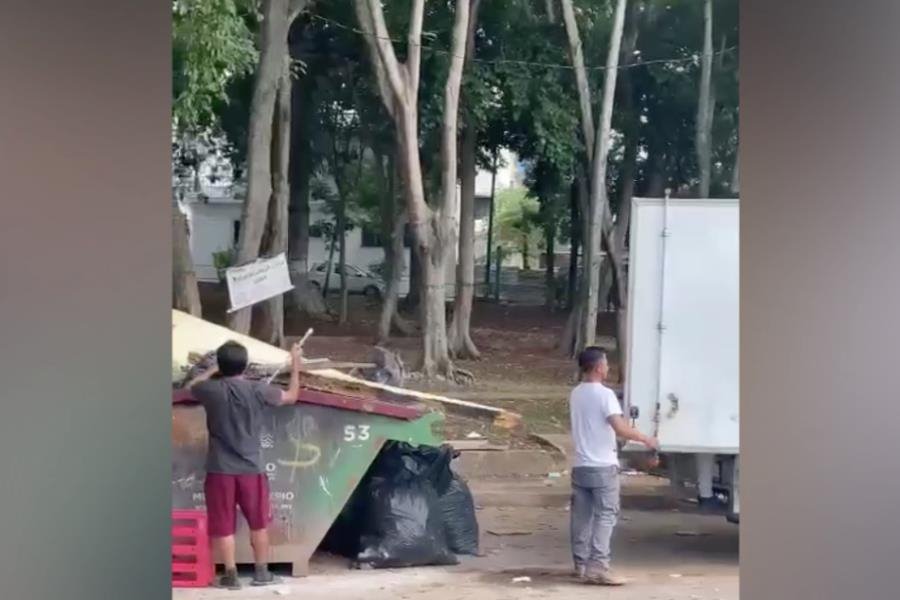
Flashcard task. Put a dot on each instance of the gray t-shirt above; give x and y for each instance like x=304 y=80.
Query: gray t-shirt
x=235 y=408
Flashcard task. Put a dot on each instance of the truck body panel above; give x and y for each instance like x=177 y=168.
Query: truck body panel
x=683 y=323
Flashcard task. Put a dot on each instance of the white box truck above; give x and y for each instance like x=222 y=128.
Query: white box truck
x=682 y=363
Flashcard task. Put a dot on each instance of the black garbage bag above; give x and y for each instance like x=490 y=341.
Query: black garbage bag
x=396 y=462
x=426 y=462
x=410 y=509
x=458 y=514
x=404 y=525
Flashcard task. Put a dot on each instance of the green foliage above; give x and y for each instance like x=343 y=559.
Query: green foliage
x=514 y=93
x=212 y=44
x=224 y=259
x=666 y=95
x=518 y=216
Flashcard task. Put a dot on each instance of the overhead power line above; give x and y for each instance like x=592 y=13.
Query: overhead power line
x=523 y=63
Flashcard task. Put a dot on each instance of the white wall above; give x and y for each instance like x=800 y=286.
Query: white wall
x=507 y=175
x=211 y=230
x=212 y=227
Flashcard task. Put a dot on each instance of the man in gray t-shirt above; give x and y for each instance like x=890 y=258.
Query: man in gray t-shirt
x=234 y=414
x=235 y=474
x=596 y=420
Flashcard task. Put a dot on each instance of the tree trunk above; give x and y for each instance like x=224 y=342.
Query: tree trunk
x=526 y=266
x=596 y=214
x=658 y=177
x=619 y=243
x=394 y=263
x=618 y=284
x=572 y=340
x=606 y=283
x=735 y=173
x=185 y=291
x=550 y=266
x=343 y=313
x=305 y=296
x=394 y=251
x=447 y=218
x=393 y=223
x=574 y=240
x=490 y=231
x=273 y=54
x=704 y=112
x=460 y=338
x=576 y=55
x=498 y=272
x=398 y=85
x=328 y=270
x=461 y=344
x=413 y=300
x=390 y=222
x=551 y=11
x=272 y=311
x=435 y=357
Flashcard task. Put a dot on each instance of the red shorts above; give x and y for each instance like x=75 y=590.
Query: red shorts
x=224 y=493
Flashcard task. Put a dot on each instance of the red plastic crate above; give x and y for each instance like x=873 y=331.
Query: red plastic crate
x=192 y=564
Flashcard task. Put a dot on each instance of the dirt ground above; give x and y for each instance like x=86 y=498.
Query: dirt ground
x=665 y=555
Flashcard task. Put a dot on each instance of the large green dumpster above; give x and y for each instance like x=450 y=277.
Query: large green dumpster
x=315 y=453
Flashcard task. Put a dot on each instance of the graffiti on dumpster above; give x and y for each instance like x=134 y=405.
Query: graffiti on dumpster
x=186 y=482
x=305 y=454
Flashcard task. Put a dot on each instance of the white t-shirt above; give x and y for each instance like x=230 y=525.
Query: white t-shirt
x=590 y=405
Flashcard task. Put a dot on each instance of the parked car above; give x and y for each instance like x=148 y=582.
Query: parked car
x=359 y=281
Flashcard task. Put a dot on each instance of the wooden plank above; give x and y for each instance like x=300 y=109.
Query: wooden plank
x=328 y=364
x=471 y=445
x=192 y=334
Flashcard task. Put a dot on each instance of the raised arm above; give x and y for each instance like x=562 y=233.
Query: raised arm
x=292 y=393
x=205 y=375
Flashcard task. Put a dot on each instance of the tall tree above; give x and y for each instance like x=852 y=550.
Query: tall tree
x=597 y=142
x=304 y=158
x=274 y=60
x=393 y=228
x=460 y=337
x=185 y=291
x=434 y=229
x=275 y=240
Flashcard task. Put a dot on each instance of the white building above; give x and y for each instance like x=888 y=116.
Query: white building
x=214 y=220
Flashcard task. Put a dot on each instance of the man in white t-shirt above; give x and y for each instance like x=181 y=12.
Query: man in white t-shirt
x=597 y=420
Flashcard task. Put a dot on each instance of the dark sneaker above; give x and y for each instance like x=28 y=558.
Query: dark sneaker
x=602 y=577
x=229 y=581
x=579 y=571
x=262 y=577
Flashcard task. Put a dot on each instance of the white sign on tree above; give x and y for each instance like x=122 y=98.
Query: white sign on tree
x=260 y=280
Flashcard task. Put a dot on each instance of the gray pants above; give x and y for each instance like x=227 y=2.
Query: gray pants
x=595 y=510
